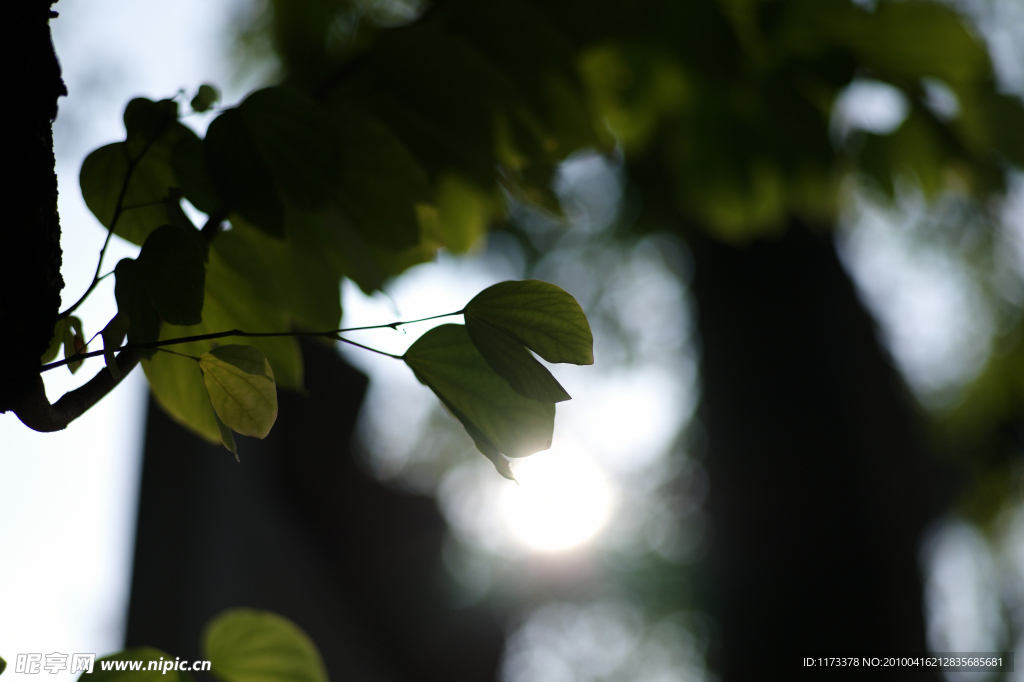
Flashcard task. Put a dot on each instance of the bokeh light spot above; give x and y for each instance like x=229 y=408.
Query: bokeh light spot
x=563 y=500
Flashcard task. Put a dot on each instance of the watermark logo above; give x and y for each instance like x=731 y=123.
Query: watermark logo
x=82 y=663
x=54 y=663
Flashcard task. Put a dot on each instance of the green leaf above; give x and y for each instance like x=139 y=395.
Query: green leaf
x=239 y=295
x=483 y=444
x=192 y=173
x=368 y=265
x=912 y=39
x=227 y=437
x=113 y=335
x=145 y=121
x=178 y=387
x=381 y=184
x=312 y=288
x=74 y=342
x=305 y=267
x=174 y=274
x=146 y=183
x=245 y=645
x=297 y=142
x=541 y=316
x=132 y=297
x=207 y=96
x=3 y=666
x=446 y=360
x=240 y=174
x=465 y=212
x=242 y=388
x=513 y=362
x=243 y=293
x=141 y=653
x=58 y=340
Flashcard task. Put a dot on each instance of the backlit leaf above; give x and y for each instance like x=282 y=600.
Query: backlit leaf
x=192 y=173
x=178 y=387
x=145 y=121
x=242 y=388
x=113 y=336
x=465 y=212
x=174 y=274
x=243 y=293
x=240 y=174
x=380 y=184
x=446 y=360
x=227 y=437
x=74 y=342
x=297 y=142
x=103 y=177
x=58 y=340
x=245 y=645
x=541 y=316
x=207 y=96
x=133 y=299
x=513 y=362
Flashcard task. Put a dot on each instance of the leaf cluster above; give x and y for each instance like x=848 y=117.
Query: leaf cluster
x=298 y=187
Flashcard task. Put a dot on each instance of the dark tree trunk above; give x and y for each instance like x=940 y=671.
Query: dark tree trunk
x=30 y=259
x=298 y=529
x=820 y=484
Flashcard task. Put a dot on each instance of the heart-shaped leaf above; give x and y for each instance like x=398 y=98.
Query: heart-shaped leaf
x=133 y=300
x=541 y=316
x=227 y=437
x=207 y=96
x=297 y=142
x=113 y=335
x=240 y=174
x=511 y=360
x=242 y=389
x=446 y=360
x=58 y=340
x=74 y=342
x=174 y=273
x=245 y=645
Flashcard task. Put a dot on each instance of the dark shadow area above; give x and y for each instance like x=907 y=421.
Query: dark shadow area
x=298 y=528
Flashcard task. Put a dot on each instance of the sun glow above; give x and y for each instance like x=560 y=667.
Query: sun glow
x=563 y=500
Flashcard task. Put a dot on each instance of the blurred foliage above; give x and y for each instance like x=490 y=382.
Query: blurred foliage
x=725 y=111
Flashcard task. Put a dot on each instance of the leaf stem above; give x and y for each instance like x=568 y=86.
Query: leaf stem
x=396 y=325
x=190 y=357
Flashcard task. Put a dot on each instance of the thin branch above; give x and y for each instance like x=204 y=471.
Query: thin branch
x=372 y=350
x=119 y=209
x=331 y=334
x=180 y=355
x=396 y=325
x=36 y=412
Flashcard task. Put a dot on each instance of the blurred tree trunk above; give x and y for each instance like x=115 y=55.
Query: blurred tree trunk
x=299 y=529
x=820 y=482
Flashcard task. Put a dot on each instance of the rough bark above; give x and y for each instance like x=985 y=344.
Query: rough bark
x=820 y=483
x=31 y=258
